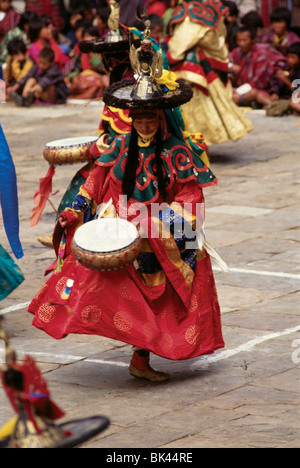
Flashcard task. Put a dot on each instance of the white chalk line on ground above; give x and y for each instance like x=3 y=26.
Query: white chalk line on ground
x=14 y=308
x=278 y=274
x=202 y=361
x=245 y=347
x=232 y=270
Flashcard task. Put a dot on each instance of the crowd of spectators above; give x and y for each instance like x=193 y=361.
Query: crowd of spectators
x=41 y=61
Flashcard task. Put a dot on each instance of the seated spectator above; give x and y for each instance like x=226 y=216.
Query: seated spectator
x=76 y=15
x=41 y=36
x=254 y=21
x=101 y=20
x=157 y=27
x=284 y=84
x=87 y=8
x=19 y=32
x=46 y=7
x=89 y=78
x=9 y=18
x=280 y=37
x=44 y=82
x=18 y=64
x=231 y=21
x=253 y=65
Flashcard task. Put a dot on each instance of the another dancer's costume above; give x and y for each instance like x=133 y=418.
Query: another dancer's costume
x=197 y=53
x=167 y=302
x=10 y=274
x=34 y=426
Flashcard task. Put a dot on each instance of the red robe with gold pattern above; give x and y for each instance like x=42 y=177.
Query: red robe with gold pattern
x=168 y=303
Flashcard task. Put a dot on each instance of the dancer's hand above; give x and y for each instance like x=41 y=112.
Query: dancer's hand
x=62 y=221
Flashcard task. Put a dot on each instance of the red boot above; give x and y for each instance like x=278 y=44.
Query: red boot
x=140 y=368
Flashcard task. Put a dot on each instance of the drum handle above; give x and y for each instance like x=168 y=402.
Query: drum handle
x=105 y=208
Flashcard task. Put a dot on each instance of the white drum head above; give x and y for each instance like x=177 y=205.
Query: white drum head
x=72 y=142
x=106 y=235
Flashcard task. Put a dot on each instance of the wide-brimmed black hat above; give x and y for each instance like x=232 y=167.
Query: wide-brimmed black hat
x=115 y=41
x=144 y=95
x=152 y=86
x=50 y=435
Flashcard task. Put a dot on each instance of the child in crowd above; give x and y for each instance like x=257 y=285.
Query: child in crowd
x=280 y=37
x=18 y=64
x=9 y=18
x=44 y=82
x=41 y=36
x=101 y=20
x=284 y=93
x=157 y=27
x=76 y=15
x=231 y=21
x=21 y=32
x=88 y=78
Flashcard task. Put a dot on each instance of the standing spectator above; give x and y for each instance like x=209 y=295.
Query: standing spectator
x=280 y=36
x=9 y=18
x=20 y=32
x=40 y=31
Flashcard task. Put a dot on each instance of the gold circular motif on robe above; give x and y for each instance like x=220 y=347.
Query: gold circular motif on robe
x=193 y=303
x=138 y=307
x=192 y=334
x=91 y=314
x=149 y=331
x=90 y=184
x=124 y=292
x=46 y=313
x=95 y=286
x=42 y=292
x=166 y=341
x=61 y=285
x=187 y=197
x=123 y=321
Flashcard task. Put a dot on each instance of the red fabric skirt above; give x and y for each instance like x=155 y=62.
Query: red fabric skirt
x=119 y=305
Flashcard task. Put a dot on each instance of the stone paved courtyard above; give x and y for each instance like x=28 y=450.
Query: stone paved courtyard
x=247 y=395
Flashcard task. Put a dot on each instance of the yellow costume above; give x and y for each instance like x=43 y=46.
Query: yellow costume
x=197 y=53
